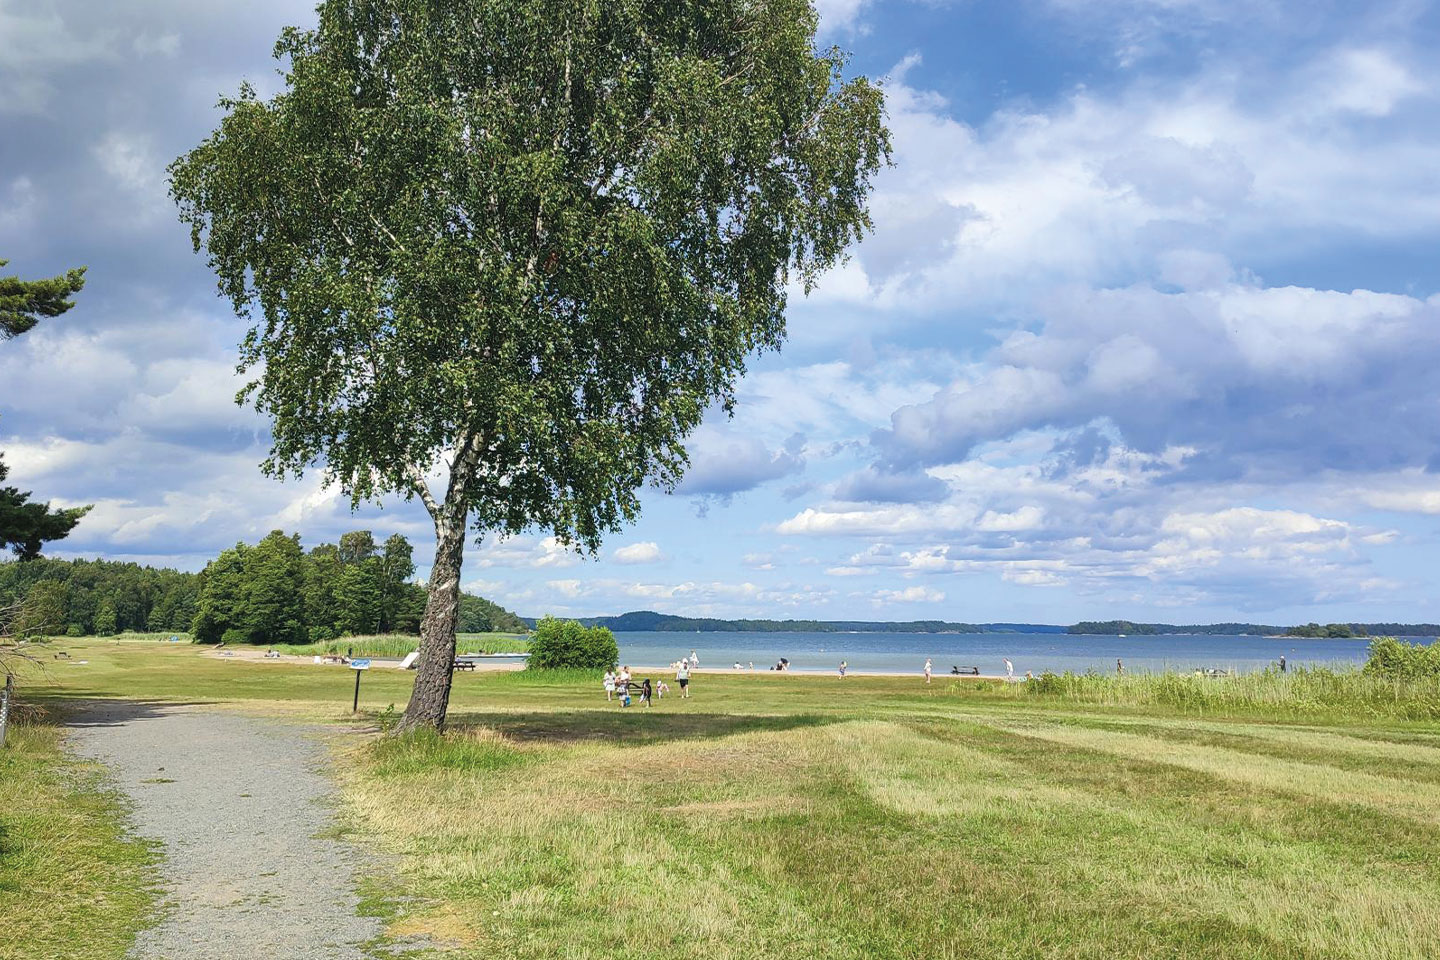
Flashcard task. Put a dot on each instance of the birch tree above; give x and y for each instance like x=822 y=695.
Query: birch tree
x=501 y=255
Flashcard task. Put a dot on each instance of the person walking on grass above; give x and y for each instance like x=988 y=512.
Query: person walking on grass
x=645 y=692
x=682 y=676
x=609 y=684
x=1009 y=669
x=927 y=669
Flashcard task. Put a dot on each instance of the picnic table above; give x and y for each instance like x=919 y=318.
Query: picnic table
x=459 y=664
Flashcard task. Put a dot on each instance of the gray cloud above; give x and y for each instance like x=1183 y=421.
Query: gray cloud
x=723 y=463
x=1262 y=382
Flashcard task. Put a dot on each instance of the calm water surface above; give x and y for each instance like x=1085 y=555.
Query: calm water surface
x=1036 y=652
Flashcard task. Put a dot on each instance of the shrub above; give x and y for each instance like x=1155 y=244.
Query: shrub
x=1398 y=660
x=564 y=644
x=235 y=635
x=74 y=630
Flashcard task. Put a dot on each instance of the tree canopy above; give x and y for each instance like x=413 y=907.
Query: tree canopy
x=518 y=248
x=24 y=302
x=26 y=526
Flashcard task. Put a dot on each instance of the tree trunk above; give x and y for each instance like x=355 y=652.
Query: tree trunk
x=431 y=694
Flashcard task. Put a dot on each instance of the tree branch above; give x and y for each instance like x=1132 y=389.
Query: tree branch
x=417 y=481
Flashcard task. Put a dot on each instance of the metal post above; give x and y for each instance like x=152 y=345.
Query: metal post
x=5 y=706
x=355 y=707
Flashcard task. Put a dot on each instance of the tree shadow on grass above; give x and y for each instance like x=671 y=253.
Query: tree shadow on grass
x=634 y=725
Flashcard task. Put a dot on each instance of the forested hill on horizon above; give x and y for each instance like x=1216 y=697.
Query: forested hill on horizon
x=643 y=621
x=649 y=620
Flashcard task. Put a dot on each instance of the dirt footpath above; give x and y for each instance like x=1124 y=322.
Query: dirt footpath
x=239 y=805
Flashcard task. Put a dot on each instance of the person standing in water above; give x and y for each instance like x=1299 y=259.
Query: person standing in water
x=1119 y=667
x=927 y=669
x=1282 y=663
x=1009 y=669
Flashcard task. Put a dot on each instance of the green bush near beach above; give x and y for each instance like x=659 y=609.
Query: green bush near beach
x=568 y=645
x=1393 y=659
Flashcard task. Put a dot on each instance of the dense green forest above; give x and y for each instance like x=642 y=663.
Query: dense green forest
x=270 y=592
x=83 y=597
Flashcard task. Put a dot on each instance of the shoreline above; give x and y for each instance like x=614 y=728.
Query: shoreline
x=257 y=655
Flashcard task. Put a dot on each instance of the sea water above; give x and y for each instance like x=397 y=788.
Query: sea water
x=1034 y=652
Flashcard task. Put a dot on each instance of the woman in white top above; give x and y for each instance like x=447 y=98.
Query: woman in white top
x=927 y=669
x=682 y=676
x=609 y=685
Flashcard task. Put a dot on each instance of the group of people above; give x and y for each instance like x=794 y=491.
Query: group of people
x=618 y=682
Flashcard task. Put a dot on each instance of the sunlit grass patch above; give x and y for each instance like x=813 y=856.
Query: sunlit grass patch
x=73 y=883
x=422 y=751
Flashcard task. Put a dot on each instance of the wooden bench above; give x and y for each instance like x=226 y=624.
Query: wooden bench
x=462 y=665
x=965 y=671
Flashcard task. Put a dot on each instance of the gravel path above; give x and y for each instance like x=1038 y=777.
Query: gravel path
x=238 y=804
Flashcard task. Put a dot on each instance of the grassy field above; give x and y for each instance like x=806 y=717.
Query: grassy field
x=793 y=816
x=72 y=883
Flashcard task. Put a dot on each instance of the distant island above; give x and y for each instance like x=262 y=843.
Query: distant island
x=1332 y=631
x=646 y=621
x=638 y=621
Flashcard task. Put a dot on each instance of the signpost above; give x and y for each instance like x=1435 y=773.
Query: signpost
x=5 y=698
x=358 y=665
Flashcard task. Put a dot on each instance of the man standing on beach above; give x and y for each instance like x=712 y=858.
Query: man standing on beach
x=843 y=665
x=927 y=669
x=1009 y=669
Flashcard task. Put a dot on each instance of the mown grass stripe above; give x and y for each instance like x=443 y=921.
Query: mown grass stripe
x=1420 y=802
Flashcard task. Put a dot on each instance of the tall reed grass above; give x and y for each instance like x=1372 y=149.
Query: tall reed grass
x=398 y=645
x=1301 y=693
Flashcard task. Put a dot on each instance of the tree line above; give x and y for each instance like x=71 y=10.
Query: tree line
x=273 y=591
x=85 y=597
x=1309 y=630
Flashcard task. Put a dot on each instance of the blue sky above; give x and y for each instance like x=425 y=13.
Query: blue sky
x=1145 y=328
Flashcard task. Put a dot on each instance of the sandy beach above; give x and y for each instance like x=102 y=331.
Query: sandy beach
x=257 y=655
